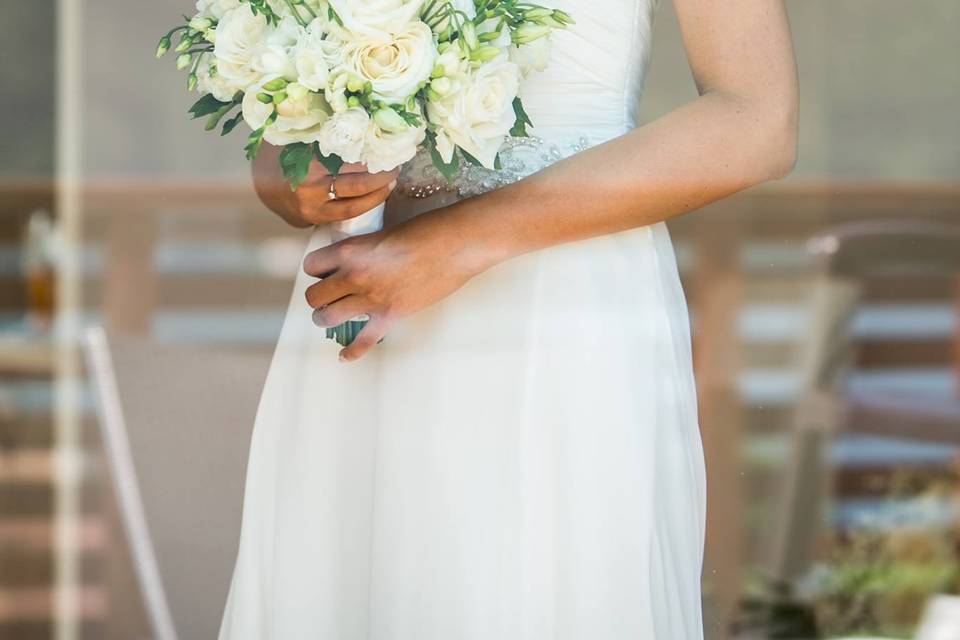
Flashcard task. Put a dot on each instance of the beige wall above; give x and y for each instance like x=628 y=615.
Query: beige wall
x=880 y=83
x=880 y=78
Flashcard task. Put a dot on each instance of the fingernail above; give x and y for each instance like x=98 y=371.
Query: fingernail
x=342 y=358
x=392 y=185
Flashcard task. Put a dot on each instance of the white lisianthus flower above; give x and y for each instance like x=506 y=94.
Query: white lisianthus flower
x=478 y=116
x=215 y=8
x=532 y=57
x=300 y=117
x=312 y=57
x=395 y=67
x=239 y=44
x=276 y=55
x=336 y=92
x=385 y=151
x=209 y=81
x=376 y=19
x=344 y=134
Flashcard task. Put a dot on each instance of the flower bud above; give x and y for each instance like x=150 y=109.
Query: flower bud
x=539 y=12
x=297 y=91
x=441 y=86
x=355 y=84
x=353 y=101
x=277 y=84
x=485 y=53
x=199 y=23
x=389 y=120
x=530 y=32
x=279 y=97
x=469 y=35
x=265 y=98
x=185 y=43
x=163 y=46
x=191 y=81
x=563 y=17
x=184 y=60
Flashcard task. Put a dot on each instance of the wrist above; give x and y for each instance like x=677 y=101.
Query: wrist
x=476 y=241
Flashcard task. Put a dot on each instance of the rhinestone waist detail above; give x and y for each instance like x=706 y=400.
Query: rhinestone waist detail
x=519 y=158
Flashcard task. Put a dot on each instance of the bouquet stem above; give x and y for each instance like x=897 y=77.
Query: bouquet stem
x=369 y=222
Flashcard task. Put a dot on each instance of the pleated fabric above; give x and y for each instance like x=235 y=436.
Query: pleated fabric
x=521 y=461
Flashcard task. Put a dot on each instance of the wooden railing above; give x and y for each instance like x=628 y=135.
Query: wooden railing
x=737 y=256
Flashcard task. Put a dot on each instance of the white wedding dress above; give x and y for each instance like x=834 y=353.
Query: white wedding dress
x=521 y=461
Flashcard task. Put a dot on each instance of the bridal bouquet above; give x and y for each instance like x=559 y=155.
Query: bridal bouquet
x=368 y=81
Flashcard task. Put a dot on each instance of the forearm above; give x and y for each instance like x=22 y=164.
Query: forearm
x=704 y=151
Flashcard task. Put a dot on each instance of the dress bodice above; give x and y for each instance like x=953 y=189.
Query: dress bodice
x=593 y=82
x=589 y=93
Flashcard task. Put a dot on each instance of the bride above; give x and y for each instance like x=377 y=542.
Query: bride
x=509 y=450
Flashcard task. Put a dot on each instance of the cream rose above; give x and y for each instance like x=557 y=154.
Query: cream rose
x=395 y=67
x=344 y=134
x=299 y=118
x=239 y=43
x=376 y=19
x=478 y=115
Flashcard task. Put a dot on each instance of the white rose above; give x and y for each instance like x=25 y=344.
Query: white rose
x=376 y=18
x=239 y=44
x=276 y=55
x=344 y=134
x=299 y=118
x=385 y=151
x=209 y=81
x=395 y=67
x=479 y=114
x=216 y=8
x=532 y=57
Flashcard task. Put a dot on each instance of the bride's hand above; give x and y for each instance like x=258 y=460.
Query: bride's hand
x=387 y=275
x=357 y=191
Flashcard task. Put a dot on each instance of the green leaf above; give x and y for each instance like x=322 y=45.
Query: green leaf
x=472 y=160
x=519 y=129
x=207 y=105
x=232 y=123
x=216 y=116
x=448 y=170
x=332 y=163
x=295 y=162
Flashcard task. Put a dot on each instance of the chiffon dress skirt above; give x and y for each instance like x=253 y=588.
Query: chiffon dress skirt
x=520 y=461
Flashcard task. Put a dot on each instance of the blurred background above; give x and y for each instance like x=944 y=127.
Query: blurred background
x=826 y=313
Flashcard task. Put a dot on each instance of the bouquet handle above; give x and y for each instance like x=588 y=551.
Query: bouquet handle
x=369 y=222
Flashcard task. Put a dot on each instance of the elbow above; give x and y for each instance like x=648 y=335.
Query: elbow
x=781 y=136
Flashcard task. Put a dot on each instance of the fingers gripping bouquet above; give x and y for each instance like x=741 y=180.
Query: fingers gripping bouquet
x=368 y=81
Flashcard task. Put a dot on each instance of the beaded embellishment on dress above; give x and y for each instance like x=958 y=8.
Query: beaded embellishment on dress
x=519 y=158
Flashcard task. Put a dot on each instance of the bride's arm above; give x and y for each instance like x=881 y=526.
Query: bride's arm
x=740 y=131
